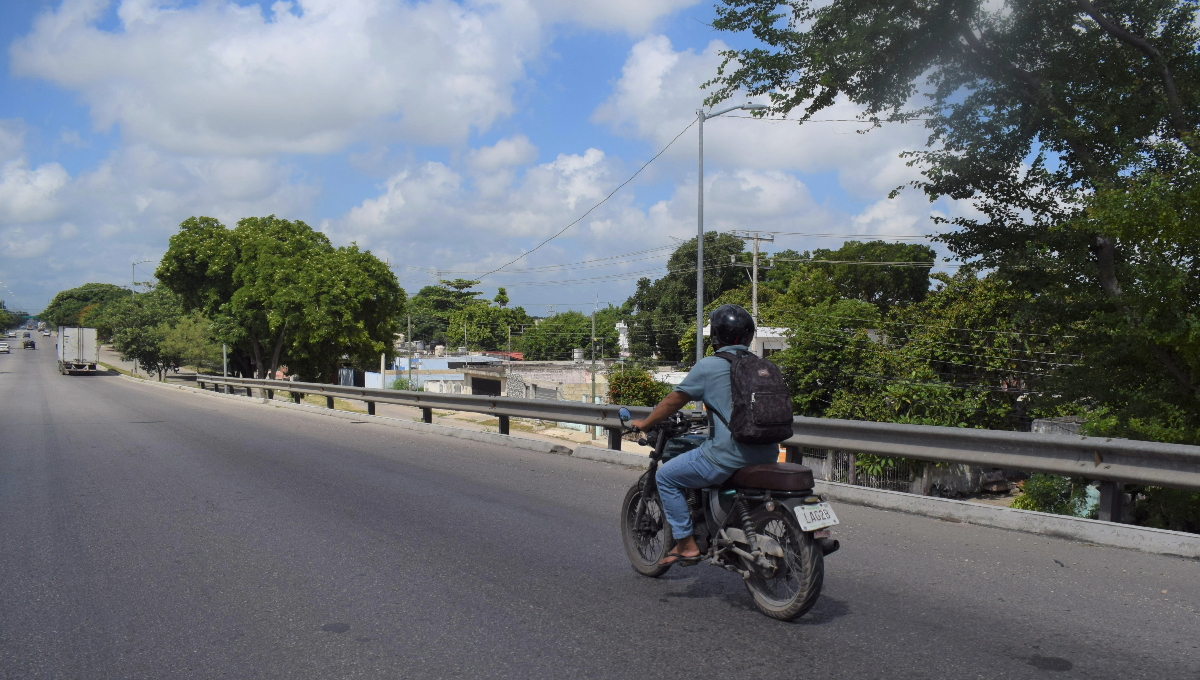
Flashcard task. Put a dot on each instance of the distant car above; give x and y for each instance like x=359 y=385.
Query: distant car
x=12 y=334
x=4 y=348
x=28 y=344
x=46 y=334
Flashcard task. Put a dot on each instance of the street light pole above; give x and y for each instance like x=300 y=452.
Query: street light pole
x=701 y=116
x=133 y=276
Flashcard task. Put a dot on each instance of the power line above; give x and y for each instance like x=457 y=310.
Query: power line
x=552 y=266
x=597 y=205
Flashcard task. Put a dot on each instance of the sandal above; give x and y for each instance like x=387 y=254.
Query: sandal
x=676 y=557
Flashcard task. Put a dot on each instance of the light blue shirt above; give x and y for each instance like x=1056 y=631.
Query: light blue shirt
x=708 y=382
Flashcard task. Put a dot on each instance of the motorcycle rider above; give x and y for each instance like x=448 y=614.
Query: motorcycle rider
x=731 y=328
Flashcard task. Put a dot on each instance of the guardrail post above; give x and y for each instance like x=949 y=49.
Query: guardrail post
x=852 y=473
x=296 y=397
x=1112 y=501
x=370 y=408
x=614 y=438
x=249 y=391
x=329 y=402
x=270 y=394
x=427 y=415
x=503 y=424
x=791 y=454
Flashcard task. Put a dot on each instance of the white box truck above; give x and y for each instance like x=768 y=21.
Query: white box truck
x=78 y=351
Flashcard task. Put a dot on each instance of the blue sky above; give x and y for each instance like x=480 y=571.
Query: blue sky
x=443 y=136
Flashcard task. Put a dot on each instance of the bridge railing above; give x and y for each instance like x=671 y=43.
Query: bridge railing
x=504 y=408
x=1113 y=462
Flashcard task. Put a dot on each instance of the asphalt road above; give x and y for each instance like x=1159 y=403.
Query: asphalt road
x=153 y=533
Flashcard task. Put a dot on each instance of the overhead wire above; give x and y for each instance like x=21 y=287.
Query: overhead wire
x=602 y=202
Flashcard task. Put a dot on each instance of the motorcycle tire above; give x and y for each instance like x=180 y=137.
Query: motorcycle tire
x=796 y=583
x=645 y=549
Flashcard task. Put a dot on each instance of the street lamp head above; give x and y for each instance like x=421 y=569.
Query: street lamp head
x=754 y=107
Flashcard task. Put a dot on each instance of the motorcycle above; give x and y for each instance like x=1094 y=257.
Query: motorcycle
x=763 y=523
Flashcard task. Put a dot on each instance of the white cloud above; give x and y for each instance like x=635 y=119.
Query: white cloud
x=658 y=95
x=502 y=155
x=126 y=208
x=432 y=210
x=310 y=76
x=225 y=78
x=26 y=194
x=19 y=243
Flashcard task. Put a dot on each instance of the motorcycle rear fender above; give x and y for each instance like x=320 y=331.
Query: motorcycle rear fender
x=792 y=503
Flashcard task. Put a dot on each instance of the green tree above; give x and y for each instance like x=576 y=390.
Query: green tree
x=67 y=306
x=277 y=291
x=501 y=298
x=432 y=306
x=664 y=310
x=829 y=350
x=8 y=319
x=634 y=386
x=1071 y=128
x=190 y=342
x=554 y=338
x=884 y=286
x=140 y=324
x=486 y=326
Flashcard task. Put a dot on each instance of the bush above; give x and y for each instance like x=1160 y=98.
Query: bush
x=1173 y=509
x=403 y=384
x=634 y=386
x=1055 y=494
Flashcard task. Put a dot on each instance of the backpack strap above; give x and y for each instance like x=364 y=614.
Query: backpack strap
x=738 y=354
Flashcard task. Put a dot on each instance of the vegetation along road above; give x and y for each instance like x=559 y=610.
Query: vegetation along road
x=151 y=532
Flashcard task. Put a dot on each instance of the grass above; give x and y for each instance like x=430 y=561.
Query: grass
x=338 y=404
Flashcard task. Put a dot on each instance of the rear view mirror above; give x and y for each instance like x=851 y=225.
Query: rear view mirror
x=624 y=414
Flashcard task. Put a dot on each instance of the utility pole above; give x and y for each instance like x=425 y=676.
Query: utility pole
x=410 y=353
x=508 y=346
x=594 y=356
x=224 y=361
x=754 y=237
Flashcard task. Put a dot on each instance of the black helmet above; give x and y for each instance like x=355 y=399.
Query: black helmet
x=730 y=325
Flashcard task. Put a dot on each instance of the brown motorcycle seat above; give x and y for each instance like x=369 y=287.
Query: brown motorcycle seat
x=773 y=476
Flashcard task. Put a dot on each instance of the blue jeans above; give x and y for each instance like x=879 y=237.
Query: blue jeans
x=688 y=471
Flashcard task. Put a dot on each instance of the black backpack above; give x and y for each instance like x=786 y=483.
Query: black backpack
x=762 y=407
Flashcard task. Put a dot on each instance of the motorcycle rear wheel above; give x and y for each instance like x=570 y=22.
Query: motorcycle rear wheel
x=794 y=587
x=645 y=547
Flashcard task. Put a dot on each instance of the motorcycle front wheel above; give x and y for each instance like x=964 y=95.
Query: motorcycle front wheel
x=793 y=587
x=648 y=543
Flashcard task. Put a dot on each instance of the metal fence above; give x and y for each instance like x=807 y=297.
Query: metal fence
x=1114 y=462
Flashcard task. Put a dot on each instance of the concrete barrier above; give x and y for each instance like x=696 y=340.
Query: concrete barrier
x=610 y=456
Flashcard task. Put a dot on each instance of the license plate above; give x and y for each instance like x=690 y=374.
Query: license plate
x=815 y=516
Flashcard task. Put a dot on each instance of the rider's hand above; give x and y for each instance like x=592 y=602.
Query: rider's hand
x=637 y=424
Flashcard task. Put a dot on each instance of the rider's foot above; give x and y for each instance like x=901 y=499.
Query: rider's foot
x=685 y=552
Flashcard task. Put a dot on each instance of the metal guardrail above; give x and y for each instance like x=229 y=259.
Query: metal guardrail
x=1112 y=461
x=504 y=408
x=1100 y=458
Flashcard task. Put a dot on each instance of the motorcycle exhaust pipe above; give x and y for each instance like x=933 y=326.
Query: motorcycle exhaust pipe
x=829 y=545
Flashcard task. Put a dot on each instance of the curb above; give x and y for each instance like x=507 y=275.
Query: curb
x=1144 y=539
x=611 y=456
x=510 y=441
